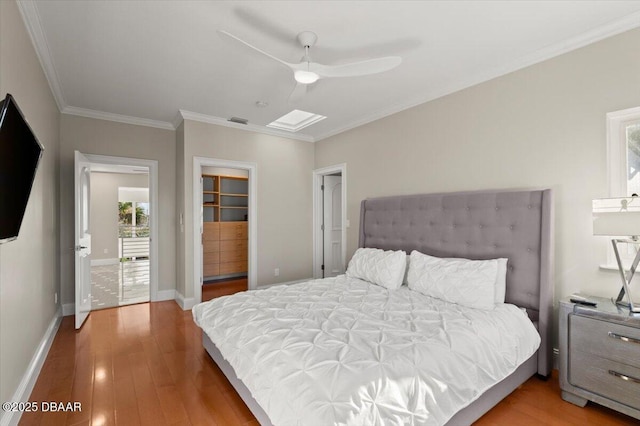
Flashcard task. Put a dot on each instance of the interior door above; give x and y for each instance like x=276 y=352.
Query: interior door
x=82 y=238
x=332 y=230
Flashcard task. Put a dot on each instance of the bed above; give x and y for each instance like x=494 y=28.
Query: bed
x=513 y=224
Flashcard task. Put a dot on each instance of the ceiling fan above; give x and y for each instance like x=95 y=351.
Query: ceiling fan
x=307 y=72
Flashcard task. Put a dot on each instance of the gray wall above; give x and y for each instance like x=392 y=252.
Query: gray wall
x=92 y=136
x=543 y=126
x=284 y=197
x=104 y=210
x=28 y=265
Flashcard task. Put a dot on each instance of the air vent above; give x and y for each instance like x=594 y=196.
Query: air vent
x=238 y=120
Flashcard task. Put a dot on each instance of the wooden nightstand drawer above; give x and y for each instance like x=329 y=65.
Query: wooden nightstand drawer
x=605 y=339
x=605 y=377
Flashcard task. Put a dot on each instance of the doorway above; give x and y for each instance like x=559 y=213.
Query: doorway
x=225 y=213
x=329 y=221
x=120 y=218
x=224 y=234
x=119 y=253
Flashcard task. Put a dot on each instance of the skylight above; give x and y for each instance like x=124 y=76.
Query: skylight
x=296 y=120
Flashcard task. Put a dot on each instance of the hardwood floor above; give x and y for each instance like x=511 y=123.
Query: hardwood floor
x=223 y=288
x=145 y=364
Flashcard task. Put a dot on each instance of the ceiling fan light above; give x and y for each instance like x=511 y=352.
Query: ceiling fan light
x=305 y=77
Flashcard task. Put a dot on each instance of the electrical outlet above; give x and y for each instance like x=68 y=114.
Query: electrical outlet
x=276 y=272
x=106 y=251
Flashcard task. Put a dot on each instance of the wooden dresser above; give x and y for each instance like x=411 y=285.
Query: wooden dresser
x=600 y=355
x=233 y=247
x=225 y=229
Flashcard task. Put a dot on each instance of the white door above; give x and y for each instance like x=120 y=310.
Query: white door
x=332 y=230
x=82 y=238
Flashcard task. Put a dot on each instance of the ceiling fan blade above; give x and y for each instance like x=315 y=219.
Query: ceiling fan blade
x=234 y=38
x=298 y=93
x=371 y=66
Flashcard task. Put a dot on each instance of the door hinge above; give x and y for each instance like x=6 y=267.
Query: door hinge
x=322 y=227
x=321 y=187
x=322 y=267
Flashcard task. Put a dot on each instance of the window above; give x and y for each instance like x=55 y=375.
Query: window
x=632 y=136
x=623 y=149
x=623 y=152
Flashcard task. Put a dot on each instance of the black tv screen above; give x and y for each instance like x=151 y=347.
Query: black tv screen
x=20 y=153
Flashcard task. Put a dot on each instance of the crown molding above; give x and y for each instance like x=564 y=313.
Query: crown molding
x=203 y=118
x=177 y=121
x=32 y=22
x=597 y=34
x=101 y=115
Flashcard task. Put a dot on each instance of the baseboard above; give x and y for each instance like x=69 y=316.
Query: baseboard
x=183 y=302
x=260 y=287
x=162 y=295
x=68 y=309
x=104 y=262
x=23 y=392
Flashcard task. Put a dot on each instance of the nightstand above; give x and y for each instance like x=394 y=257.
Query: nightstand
x=600 y=355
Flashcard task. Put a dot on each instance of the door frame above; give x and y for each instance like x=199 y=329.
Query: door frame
x=152 y=166
x=252 y=169
x=318 y=214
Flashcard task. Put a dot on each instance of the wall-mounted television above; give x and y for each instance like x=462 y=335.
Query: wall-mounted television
x=20 y=154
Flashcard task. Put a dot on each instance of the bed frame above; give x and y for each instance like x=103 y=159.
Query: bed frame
x=516 y=224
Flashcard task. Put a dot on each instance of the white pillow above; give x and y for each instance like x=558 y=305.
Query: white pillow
x=466 y=282
x=501 y=280
x=501 y=277
x=384 y=268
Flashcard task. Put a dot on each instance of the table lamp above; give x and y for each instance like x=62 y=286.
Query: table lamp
x=615 y=217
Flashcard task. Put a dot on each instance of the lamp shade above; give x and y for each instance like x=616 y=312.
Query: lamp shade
x=616 y=216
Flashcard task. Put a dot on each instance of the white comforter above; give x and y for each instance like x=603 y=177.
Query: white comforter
x=343 y=351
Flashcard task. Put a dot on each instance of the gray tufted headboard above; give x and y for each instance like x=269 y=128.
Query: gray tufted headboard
x=516 y=224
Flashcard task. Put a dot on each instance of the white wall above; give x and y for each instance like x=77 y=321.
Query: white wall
x=284 y=205
x=92 y=136
x=104 y=210
x=543 y=126
x=28 y=265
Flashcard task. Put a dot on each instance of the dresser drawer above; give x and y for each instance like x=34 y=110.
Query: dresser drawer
x=211 y=231
x=233 y=255
x=233 y=230
x=209 y=258
x=234 y=245
x=602 y=376
x=233 y=267
x=210 y=246
x=210 y=269
x=605 y=339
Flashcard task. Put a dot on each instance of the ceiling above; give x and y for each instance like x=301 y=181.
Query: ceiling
x=144 y=61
